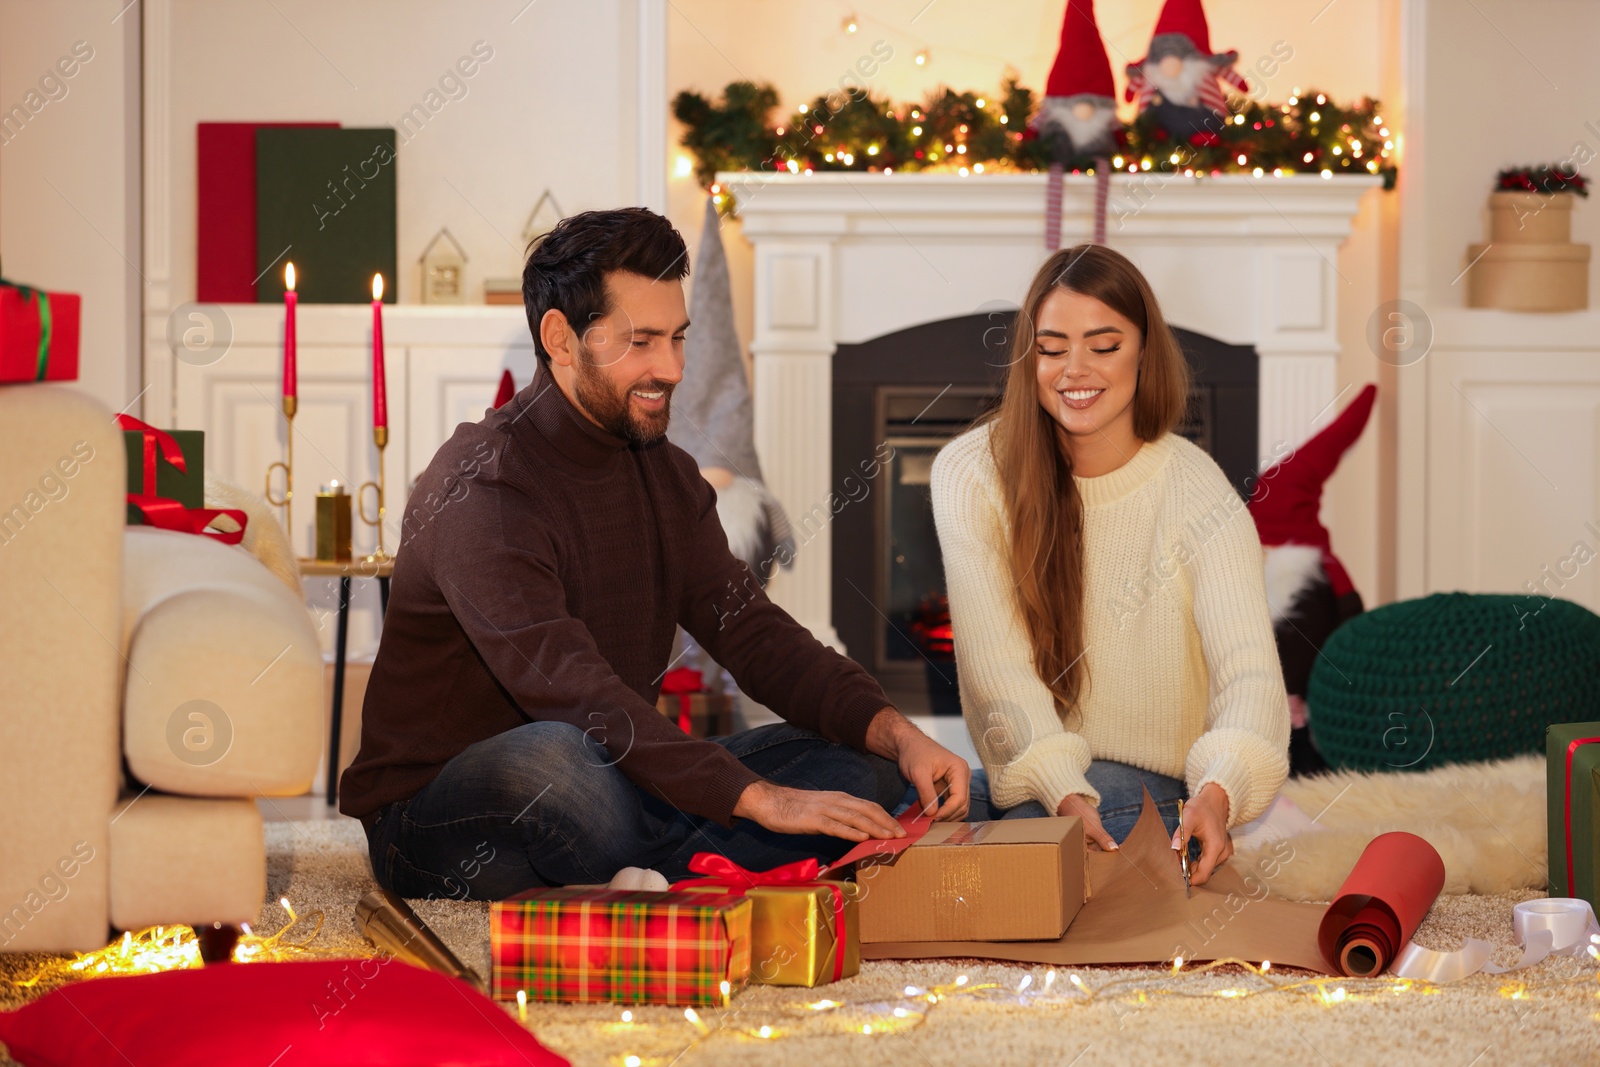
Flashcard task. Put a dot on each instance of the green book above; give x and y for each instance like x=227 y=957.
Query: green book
x=325 y=200
x=1572 y=779
x=187 y=487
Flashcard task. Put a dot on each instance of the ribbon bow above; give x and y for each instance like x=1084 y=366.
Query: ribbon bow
x=683 y=683
x=167 y=514
x=802 y=874
x=42 y=300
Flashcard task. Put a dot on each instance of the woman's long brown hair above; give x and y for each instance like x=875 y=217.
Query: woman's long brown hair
x=1041 y=499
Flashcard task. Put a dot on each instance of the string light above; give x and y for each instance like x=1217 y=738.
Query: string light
x=922 y=58
x=850 y=24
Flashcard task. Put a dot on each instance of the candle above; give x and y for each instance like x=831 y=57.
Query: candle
x=290 y=299
x=380 y=402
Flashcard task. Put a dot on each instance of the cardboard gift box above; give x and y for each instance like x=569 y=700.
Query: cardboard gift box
x=699 y=712
x=1572 y=783
x=173 y=460
x=804 y=929
x=38 y=334
x=1010 y=880
x=621 y=946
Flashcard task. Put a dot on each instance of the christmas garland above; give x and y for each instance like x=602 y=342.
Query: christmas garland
x=1543 y=178
x=966 y=133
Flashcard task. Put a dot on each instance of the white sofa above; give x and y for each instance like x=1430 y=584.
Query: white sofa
x=151 y=685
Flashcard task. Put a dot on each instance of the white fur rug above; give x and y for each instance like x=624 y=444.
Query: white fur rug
x=1486 y=819
x=264 y=537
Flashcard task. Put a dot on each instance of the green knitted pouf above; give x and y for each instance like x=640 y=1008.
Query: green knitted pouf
x=1452 y=678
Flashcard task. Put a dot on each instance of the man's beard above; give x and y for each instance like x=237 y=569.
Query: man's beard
x=613 y=410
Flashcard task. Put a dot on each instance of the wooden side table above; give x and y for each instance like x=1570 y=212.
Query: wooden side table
x=356 y=568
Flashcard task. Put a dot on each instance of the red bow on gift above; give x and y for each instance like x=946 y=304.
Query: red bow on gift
x=166 y=514
x=802 y=874
x=683 y=683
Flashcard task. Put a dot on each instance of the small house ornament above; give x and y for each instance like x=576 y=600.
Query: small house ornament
x=546 y=213
x=442 y=263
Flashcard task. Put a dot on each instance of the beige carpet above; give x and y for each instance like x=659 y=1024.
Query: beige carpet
x=322 y=865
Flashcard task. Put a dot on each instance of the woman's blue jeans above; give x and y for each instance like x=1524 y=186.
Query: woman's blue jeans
x=544 y=804
x=1121 y=789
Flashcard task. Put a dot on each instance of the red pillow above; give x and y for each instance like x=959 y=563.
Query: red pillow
x=345 y=1012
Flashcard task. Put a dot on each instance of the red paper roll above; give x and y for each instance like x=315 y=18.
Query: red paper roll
x=1381 y=904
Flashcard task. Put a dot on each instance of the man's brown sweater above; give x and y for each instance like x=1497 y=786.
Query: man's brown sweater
x=544 y=564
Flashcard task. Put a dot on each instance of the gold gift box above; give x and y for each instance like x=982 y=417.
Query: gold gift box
x=792 y=936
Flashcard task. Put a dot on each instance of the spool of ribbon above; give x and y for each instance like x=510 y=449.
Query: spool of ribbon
x=42 y=300
x=1556 y=926
x=683 y=683
x=163 y=512
x=802 y=874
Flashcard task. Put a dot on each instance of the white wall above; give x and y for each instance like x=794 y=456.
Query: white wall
x=69 y=173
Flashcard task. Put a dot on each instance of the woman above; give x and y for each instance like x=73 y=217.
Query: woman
x=1105 y=581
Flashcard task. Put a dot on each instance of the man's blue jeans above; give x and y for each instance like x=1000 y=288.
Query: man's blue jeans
x=543 y=804
x=1121 y=789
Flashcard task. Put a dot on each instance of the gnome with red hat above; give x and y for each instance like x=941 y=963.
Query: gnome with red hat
x=1179 y=76
x=1308 y=590
x=1077 y=119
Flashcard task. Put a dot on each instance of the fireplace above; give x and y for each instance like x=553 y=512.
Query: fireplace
x=914 y=390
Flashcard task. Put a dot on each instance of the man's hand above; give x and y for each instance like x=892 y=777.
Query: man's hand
x=1206 y=817
x=926 y=764
x=814 y=811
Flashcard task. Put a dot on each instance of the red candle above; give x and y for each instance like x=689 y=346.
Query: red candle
x=380 y=401
x=290 y=299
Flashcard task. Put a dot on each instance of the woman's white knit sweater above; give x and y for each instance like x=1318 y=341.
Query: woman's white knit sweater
x=1183 y=675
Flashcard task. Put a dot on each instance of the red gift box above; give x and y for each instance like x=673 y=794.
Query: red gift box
x=623 y=946
x=38 y=334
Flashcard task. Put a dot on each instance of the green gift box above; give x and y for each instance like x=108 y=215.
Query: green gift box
x=1572 y=780
x=147 y=453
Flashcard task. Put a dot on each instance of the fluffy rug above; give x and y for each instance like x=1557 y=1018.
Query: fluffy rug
x=264 y=536
x=1486 y=819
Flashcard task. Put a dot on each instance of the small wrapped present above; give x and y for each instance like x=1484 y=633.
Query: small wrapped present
x=166 y=481
x=38 y=334
x=700 y=712
x=803 y=930
x=622 y=946
x=1572 y=781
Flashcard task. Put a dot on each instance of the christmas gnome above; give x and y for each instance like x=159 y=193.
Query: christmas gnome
x=1077 y=119
x=1308 y=590
x=1178 y=77
x=712 y=417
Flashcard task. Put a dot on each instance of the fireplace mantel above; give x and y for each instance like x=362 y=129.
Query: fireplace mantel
x=843 y=258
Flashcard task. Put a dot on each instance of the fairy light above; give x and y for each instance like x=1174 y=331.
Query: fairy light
x=922 y=58
x=627 y=1016
x=979 y=103
x=522 y=1004
x=631 y=1061
x=695 y=1020
x=1027 y=980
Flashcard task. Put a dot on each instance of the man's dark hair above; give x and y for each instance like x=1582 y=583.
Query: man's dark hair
x=567 y=267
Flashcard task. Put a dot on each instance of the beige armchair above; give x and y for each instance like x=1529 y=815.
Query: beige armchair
x=151 y=685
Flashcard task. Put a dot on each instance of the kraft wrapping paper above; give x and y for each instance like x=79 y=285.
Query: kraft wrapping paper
x=1137 y=913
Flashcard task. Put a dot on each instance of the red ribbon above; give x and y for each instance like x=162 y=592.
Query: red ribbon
x=683 y=683
x=802 y=874
x=167 y=514
x=1572 y=888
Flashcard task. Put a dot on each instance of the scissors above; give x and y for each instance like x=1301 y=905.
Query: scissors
x=1183 y=853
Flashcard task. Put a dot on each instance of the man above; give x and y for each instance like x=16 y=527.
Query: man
x=510 y=737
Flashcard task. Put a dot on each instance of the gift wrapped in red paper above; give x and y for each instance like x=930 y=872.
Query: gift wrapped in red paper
x=622 y=946
x=698 y=711
x=38 y=334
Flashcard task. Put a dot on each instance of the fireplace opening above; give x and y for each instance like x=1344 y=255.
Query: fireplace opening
x=915 y=390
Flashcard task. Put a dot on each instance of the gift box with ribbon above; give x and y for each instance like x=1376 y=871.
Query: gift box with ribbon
x=699 y=712
x=803 y=929
x=38 y=334
x=621 y=946
x=166 y=481
x=1572 y=781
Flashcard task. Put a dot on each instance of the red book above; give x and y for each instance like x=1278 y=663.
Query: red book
x=225 y=224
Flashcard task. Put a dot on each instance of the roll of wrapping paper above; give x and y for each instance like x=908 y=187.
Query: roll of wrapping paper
x=388 y=921
x=1381 y=904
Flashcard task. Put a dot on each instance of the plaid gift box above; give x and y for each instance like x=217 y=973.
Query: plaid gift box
x=700 y=713
x=1572 y=779
x=803 y=927
x=621 y=946
x=38 y=334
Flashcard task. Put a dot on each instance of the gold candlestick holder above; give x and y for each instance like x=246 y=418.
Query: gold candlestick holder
x=290 y=404
x=380 y=437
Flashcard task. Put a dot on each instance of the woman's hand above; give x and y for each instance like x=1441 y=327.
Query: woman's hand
x=1081 y=806
x=1206 y=817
